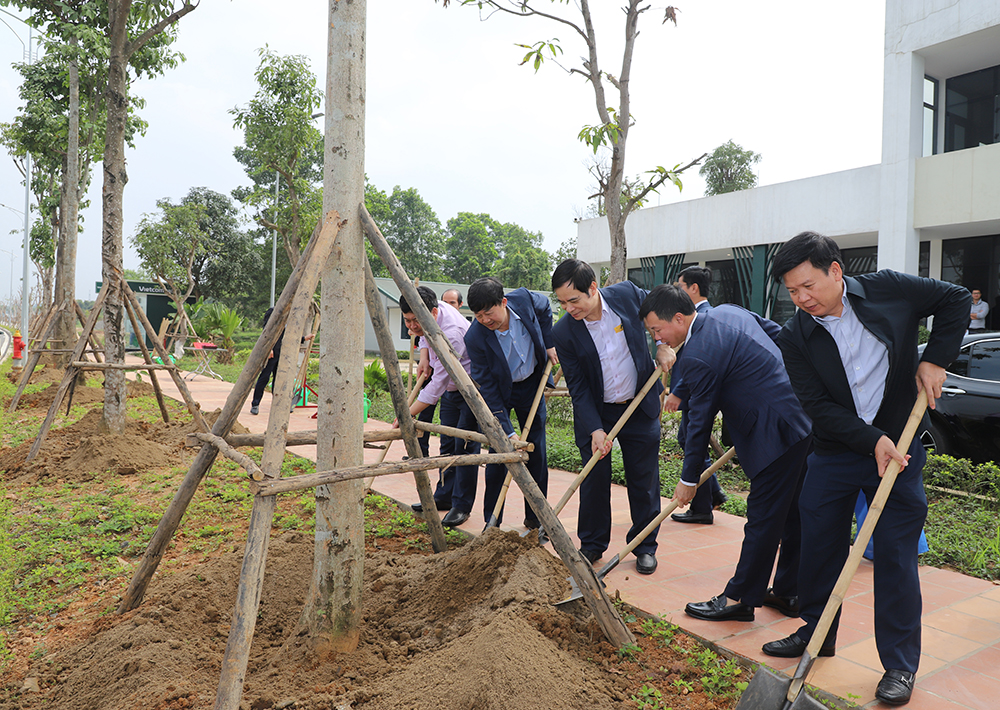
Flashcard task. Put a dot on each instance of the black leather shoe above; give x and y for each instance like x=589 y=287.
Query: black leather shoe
x=789 y=606
x=454 y=518
x=531 y=523
x=895 y=688
x=792 y=647
x=689 y=516
x=719 y=500
x=591 y=556
x=715 y=609
x=645 y=563
x=419 y=508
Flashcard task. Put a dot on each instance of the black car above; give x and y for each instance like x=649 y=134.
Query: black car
x=966 y=421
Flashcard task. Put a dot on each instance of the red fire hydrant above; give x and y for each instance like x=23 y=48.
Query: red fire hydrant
x=17 y=362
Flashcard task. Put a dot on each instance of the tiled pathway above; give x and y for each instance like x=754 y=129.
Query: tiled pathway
x=960 y=667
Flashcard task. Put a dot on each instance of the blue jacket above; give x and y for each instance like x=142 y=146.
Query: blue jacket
x=489 y=366
x=582 y=367
x=732 y=364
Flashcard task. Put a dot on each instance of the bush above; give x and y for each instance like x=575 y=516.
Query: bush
x=962 y=475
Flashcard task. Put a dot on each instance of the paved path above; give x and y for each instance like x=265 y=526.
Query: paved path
x=960 y=666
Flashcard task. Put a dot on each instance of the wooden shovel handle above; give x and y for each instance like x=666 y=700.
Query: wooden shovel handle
x=860 y=542
x=636 y=401
x=409 y=401
x=524 y=437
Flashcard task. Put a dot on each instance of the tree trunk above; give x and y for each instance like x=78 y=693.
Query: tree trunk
x=112 y=193
x=332 y=612
x=69 y=213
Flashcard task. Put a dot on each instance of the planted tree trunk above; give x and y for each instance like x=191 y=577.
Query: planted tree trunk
x=69 y=216
x=332 y=612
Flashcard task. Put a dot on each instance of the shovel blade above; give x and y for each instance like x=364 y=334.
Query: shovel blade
x=807 y=702
x=766 y=691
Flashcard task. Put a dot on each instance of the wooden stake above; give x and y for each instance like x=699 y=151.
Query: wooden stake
x=68 y=378
x=234 y=662
x=387 y=347
x=82 y=317
x=232 y=454
x=311 y=480
x=317 y=250
x=591 y=588
x=35 y=354
x=148 y=360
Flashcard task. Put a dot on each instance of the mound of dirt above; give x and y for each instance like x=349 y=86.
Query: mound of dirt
x=429 y=639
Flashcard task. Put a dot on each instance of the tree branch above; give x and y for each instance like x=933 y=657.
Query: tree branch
x=140 y=41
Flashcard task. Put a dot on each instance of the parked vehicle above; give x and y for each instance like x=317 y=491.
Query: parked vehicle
x=966 y=421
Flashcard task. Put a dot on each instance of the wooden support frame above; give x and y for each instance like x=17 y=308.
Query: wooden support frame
x=591 y=588
x=400 y=403
x=35 y=353
x=148 y=360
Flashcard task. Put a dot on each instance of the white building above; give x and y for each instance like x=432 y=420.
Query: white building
x=389 y=295
x=932 y=207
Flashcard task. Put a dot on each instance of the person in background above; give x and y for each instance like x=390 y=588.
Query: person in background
x=980 y=308
x=453 y=297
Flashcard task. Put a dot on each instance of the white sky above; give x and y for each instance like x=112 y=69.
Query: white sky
x=450 y=112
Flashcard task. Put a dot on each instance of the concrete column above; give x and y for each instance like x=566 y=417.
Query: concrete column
x=902 y=144
x=934 y=259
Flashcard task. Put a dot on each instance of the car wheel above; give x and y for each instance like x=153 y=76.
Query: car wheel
x=935 y=441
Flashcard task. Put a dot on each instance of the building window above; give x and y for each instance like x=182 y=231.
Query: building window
x=972 y=109
x=924 y=266
x=863 y=260
x=930 y=115
x=725 y=286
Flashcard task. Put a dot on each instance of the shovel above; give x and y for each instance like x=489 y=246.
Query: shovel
x=768 y=690
x=636 y=401
x=637 y=540
x=494 y=520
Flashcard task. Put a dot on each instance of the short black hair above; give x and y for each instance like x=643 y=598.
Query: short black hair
x=700 y=276
x=818 y=250
x=485 y=293
x=574 y=272
x=666 y=301
x=429 y=298
x=458 y=295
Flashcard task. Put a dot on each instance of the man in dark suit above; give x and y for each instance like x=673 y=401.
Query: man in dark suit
x=694 y=281
x=602 y=347
x=851 y=355
x=727 y=362
x=508 y=344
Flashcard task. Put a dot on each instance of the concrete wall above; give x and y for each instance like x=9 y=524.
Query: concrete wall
x=958 y=193
x=844 y=205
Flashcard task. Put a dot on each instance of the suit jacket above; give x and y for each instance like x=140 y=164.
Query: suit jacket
x=890 y=305
x=676 y=382
x=582 y=367
x=489 y=366
x=732 y=364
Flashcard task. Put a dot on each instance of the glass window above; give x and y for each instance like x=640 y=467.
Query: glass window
x=961 y=364
x=930 y=115
x=984 y=364
x=971 y=109
x=860 y=261
x=725 y=286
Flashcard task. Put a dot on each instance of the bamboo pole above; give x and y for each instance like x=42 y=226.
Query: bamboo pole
x=148 y=360
x=81 y=316
x=88 y=365
x=175 y=374
x=311 y=480
x=35 y=354
x=67 y=380
x=318 y=248
x=406 y=424
x=241 y=630
x=592 y=589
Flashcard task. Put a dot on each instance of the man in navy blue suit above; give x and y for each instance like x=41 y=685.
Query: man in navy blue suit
x=728 y=362
x=851 y=354
x=508 y=344
x=694 y=281
x=602 y=347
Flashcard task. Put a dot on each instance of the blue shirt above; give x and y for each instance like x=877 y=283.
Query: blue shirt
x=517 y=347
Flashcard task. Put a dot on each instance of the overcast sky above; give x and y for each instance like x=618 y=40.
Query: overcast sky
x=450 y=112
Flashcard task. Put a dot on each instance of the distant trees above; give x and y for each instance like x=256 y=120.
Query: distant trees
x=729 y=168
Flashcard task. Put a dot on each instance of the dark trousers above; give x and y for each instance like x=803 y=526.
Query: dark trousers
x=270 y=370
x=708 y=493
x=640 y=445
x=827 y=505
x=457 y=483
x=522 y=395
x=772 y=522
x=426 y=416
